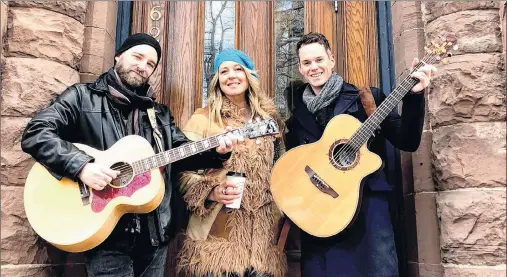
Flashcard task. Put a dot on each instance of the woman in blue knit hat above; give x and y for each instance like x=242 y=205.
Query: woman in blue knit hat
x=222 y=241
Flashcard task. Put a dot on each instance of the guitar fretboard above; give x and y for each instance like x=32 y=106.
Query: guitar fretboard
x=367 y=129
x=175 y=154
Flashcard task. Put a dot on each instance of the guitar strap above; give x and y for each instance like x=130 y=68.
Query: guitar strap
x=156 y=132
x=160 y=146
x=284 y=233
x=285 y=228
x=367 y=100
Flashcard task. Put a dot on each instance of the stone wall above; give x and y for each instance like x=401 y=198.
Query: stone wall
x=467 y=115
x=454 y=185
x=42 y=49
x=503 y=16
x=3 y=19
x=100 y=34
x=419 y=193
x=47 y=46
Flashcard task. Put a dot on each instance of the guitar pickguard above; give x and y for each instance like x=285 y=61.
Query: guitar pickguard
x=100 y=198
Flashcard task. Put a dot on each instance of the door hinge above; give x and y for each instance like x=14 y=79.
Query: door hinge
x=336 y=6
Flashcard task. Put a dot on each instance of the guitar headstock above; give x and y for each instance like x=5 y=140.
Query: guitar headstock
x=441 y=47
x=260 y=128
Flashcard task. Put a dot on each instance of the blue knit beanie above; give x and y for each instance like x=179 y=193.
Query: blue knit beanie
x=233 y=55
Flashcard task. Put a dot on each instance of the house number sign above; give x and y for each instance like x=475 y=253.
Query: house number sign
x=155 y=16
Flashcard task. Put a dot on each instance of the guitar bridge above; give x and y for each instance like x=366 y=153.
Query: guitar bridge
x=85 y=193
x=319 y=183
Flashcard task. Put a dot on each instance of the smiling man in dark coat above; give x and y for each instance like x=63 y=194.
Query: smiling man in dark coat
x=366 y=248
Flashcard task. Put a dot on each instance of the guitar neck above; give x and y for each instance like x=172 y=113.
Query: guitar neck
x=364 y=133
x=175 y=154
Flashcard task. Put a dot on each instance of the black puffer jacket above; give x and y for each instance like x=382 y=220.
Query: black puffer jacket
x=84 y=114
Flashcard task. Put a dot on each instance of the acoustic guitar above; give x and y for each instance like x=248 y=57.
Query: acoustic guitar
x=75 y=218
x=319 y=185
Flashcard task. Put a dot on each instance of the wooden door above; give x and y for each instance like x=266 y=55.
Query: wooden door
x=265 y=30
x=192 y=33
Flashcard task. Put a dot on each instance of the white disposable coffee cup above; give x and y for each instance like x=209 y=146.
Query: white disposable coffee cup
x=239 y=180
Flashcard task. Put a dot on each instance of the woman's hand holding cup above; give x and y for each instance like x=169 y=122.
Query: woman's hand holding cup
x=225 y=193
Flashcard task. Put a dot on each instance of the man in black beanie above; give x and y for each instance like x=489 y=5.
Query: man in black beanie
x=98 y=115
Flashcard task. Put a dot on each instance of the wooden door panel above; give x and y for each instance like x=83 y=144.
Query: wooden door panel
x=178 y=25
x=254 y=35
x=184 y=58
x=151 y=18
x=320 y=16
x=357 y=59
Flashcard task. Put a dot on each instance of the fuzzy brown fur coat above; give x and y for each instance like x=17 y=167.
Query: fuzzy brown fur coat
x=222 y=240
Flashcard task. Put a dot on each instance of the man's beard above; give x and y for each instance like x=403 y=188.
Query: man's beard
x=127 y=79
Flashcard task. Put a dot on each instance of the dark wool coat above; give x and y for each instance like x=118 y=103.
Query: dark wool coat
x=366 y=248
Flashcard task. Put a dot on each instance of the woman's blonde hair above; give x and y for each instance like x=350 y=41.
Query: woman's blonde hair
x=260 y=104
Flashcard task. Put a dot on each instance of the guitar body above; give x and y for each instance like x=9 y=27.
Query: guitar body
x=319 y=185
x=314 y=211
x=58 y=214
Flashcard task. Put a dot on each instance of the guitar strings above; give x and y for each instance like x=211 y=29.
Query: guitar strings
x=160 y=156
x=348 y=148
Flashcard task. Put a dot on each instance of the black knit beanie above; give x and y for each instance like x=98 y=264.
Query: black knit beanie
x=138 y=39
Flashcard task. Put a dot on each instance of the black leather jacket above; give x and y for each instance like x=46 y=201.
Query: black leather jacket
x=84 y=114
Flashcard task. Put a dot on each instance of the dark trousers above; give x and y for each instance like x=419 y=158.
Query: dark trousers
x=365 y=249
x=125 y=254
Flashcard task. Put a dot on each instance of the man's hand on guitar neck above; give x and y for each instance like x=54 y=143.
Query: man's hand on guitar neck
x=229 y=141
x=97 y=176
x=423 y=74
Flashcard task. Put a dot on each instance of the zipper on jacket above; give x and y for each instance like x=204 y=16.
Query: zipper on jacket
x=118 y=118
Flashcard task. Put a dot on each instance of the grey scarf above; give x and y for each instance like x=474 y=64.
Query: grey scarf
x=327 y=95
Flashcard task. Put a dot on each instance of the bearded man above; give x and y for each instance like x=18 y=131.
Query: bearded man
x=99 y=114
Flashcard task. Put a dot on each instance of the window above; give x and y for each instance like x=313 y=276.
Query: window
x=289 y=27
x=219 y=31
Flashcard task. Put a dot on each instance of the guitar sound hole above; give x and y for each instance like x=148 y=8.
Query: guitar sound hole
x=344 y=156
x=125 y=176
